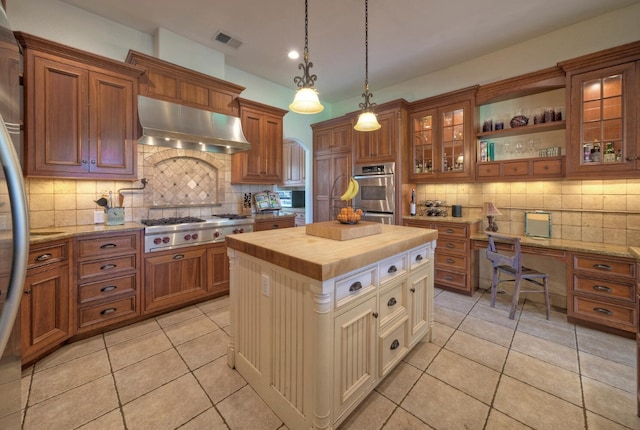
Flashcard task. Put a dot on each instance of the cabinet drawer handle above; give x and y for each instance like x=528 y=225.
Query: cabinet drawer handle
x=108 y=245
x=375 y=314
x=355 y=286
x=395 y=344
x=178 y=256
x=601 y=266
x=418 y=257
x=108 y=288
x=27 y=291
x=546 y=167
x=107 y=311
x=43 y=257
x=449 y=278
x=275 y=226
x=450 y=260
x=602 y=288
x=450 y=231
x=450 y=245
x=392 y=301
x=392 y=269
x=603 y=311
x=108 y=266
x=413 y=290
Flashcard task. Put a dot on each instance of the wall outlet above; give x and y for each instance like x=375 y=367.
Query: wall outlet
x=266 y=285
x=98 y=217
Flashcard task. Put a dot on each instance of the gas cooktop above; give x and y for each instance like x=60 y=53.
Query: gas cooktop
x=170 y=221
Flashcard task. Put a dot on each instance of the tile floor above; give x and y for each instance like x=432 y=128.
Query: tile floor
x=482 y=371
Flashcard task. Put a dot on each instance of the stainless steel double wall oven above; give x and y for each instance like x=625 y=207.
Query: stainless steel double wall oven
x=377 y=191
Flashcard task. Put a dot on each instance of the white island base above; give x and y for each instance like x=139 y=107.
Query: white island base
x=315 y=332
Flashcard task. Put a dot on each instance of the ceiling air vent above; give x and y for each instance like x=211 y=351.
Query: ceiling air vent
x=230 y=41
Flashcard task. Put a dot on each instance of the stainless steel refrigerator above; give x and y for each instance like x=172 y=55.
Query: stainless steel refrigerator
x=14 y=227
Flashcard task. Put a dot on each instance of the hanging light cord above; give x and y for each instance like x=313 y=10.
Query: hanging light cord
x=366 y=106
x=306 y=80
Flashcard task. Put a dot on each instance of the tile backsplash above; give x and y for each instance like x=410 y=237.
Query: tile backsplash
x=181 y=183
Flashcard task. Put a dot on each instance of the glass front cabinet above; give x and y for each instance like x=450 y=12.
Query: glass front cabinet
x=603 y=121
x=441 y=140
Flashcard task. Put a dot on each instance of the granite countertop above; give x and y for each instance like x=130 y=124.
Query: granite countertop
x=41 y=235
x=322 y=259
x=459 y=220
x=573 y=245
x=635 y=252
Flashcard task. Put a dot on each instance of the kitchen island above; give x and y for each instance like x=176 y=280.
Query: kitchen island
x=317 y=323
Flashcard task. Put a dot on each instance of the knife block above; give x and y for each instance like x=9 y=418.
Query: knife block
x=115 y=216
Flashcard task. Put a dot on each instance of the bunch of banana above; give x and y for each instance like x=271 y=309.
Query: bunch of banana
x=352 y=190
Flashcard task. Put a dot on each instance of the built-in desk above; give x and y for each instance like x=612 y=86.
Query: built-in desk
x=601 y=280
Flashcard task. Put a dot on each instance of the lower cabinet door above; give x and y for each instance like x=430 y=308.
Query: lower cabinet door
x=173 y=278
x=420 y=304
x=355 y=355
x=106 y=313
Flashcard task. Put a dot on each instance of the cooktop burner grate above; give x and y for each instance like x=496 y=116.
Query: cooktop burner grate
x=170 y=221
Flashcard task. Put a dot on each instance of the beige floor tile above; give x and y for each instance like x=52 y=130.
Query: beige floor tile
x=397 y=384
x=192 y=328
x=209 y=419
x=478 y=350
x=219 y=380
x=456 y=302
x=214 y=304
x=167 y=407
x=487 y=330
x=221 y=317
x=606 y=345
x=133 y=350
x=204 y=349
x=403 y=420
x=25 y=386
x=538 y=311
x=65 y=376
x=70 y=352
x=75 y=407
x=441 y=333
x=536 y=408
x=244 y=409
x=499 y=421
x=448 y=317
x=495 y=315
x=178 y=316
x=110 y=421
x=547 y=351
x=563 y=335
x=466 y=375
x=597 y=422
x=422 y=354
x=443 y=407
x=148 y=374
x=617 y=405
x=131 y=332
x=370 y=414
x=608 y=372
x=544 y=376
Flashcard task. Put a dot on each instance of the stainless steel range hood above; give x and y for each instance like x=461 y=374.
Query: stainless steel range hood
x=178 y=126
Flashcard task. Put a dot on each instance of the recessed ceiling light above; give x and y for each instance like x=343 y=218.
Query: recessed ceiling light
x=293 y=54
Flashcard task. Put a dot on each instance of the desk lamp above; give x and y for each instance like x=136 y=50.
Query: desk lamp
x=490 y=211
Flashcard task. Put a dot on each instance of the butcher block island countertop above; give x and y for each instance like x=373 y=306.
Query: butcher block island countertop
x=320 y=258
x=317 y=323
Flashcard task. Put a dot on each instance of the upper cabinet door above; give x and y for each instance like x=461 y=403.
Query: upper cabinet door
x=380 y=145
x=603 y=122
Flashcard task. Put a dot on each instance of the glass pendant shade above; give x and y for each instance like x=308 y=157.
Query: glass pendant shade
x=367 y=121
x=306 y=102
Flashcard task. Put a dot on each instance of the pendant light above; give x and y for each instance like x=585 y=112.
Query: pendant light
x=306 y=100
x=367 y=120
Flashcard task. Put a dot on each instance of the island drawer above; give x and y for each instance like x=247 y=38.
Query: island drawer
x=348 y=288
x=605 y=288
x=107 y=288
x=418 y=257
x=101 y=246
x=393 y=344
x=392 y=303
x=106 y=313
x=393 y=268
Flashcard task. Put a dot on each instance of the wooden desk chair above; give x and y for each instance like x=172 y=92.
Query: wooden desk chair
x=512 y=266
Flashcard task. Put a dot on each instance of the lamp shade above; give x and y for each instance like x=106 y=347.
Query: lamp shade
x=306 y=102
x=490 y=209
x=367 y=121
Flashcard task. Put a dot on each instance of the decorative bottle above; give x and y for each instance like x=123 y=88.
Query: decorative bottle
x=413 y=202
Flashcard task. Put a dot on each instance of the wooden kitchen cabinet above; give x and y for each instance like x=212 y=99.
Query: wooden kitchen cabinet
x=441 y=138
x=80 y=113
x=107 y=279
x=262 y=164
x=332 y=166
x=217 y=269
x=382 y=145
x=44 y=309
x=273 y=223
x=603 y=92
x=294 y=159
